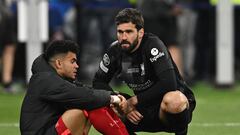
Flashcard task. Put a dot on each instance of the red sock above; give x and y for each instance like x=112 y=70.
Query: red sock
x=107 y=122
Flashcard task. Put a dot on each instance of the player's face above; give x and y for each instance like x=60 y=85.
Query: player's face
x=69 y=66
x=128 y=36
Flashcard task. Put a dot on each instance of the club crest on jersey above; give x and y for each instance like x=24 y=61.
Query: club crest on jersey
x=156 y=54
x=142 y=69
x=106 y=60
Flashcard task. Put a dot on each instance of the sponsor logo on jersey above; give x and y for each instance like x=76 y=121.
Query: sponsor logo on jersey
x=156 y=54
x=154 y=51
x=106 y=60
x=142 y=86
x=103 y=67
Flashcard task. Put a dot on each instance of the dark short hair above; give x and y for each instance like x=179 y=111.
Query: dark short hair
x=60 y=47
x=130 y=15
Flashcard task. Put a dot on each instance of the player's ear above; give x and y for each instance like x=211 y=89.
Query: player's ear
x=141 y=33
x=58 y=63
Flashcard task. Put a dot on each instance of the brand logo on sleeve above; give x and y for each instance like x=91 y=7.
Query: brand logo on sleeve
x=154 y=51
x=156 y=54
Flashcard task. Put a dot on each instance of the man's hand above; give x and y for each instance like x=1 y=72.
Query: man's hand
x=130 y=111
x=134 y=116
x=116 y=107
x=129 y=105
x=123 y=100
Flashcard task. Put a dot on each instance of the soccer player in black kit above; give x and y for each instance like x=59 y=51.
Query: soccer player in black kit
x=162 y=100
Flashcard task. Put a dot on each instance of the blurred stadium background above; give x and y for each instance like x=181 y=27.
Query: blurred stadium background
x=209 y=32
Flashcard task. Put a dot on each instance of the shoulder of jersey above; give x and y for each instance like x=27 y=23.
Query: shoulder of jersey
x=153 y=41
x=114 y=44
x=114 y=48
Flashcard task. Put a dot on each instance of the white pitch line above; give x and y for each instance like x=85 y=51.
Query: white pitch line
x=9 y=124
x=224 y=124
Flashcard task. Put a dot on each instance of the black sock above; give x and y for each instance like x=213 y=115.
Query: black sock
x=183 y=132
x=177 y=122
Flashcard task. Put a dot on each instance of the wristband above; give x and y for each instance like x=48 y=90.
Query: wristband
x=115 y=99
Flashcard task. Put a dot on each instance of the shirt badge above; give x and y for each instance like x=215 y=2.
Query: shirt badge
x=106 y=59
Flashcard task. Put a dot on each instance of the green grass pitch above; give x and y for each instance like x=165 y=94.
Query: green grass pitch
x=217 y=112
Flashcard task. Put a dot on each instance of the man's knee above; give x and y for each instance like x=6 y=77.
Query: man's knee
x=73 y=115
x=174 y=102
x=74 y=120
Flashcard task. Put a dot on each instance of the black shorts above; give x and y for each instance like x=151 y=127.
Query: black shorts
x=151 y=122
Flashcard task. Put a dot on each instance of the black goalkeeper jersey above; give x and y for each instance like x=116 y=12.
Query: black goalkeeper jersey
x=149 y=71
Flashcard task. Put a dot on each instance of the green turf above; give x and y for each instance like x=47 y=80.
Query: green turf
x=217 y=112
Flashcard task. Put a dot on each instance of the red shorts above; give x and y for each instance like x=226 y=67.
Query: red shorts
x=61 y=127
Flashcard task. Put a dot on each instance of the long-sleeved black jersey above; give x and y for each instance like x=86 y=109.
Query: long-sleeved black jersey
x=149 y=71
x=49 y=96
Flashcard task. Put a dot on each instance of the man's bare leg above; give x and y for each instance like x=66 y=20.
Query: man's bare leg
x=76 y=122
x=176 y=54
x=8 y=63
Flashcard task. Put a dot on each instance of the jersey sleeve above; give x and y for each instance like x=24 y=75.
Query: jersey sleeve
x=69 y=95
x=160 y=60
x=108 y=66
x=158 y=56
